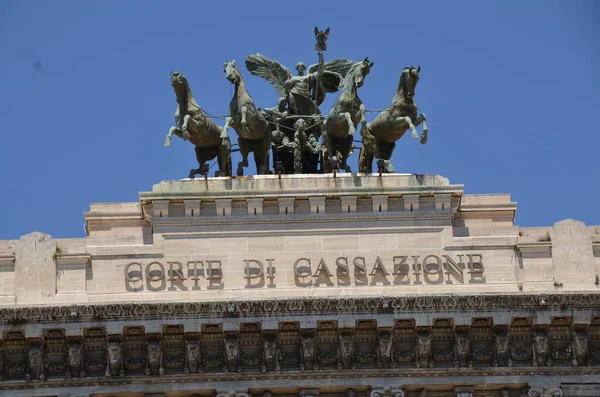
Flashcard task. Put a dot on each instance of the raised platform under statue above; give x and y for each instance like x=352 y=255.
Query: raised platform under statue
x=302 y=235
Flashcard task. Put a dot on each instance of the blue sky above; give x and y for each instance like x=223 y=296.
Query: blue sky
x=510 y=89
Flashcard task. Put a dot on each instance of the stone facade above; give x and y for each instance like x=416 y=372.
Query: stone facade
x=359 y=285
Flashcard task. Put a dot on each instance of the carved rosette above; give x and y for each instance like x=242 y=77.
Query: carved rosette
x=387 y=391
x=545 y=391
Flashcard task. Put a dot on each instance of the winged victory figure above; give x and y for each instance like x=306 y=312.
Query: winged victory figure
x=304 y=92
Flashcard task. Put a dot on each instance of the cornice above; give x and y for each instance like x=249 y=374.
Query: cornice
x=299 y=307
x=520 y=374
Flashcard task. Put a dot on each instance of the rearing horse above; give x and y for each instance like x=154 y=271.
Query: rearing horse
x=347 y=112
x=381 y=134
x=192 y=124
x=250 y=125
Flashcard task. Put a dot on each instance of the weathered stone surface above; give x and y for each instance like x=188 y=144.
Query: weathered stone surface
x=35 y=268
x=572 y=255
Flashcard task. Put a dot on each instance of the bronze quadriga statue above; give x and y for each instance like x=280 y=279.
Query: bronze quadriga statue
x=295 y=130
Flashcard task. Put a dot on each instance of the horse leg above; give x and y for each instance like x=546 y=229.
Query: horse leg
x=261 y=157
x=184 y=134
x=202 y=155
x=347 y=149
x=244 y=151
x=351 y=128
x=244 y=121
x=384 y=151
x=224 y=157
x=172 y=130
x=405 y=121
x=422 y=119
x=363 y=116
x=225 y=128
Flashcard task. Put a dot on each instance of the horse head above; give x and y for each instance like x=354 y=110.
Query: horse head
x=180 y=83
x=409 y=80
x=232 y=73
x=358 y=72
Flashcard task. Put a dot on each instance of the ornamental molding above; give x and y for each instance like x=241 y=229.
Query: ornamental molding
x=298 y=307
x=407 y=375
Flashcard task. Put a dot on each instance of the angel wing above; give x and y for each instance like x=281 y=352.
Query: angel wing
x=331 y=81
x=340 y=66
x=270 y=70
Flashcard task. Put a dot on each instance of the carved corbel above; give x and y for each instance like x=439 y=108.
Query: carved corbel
x=114 y=357
x=271 y=352
x=423 y=349
x=192 y=354
x=501 y=357
x=307 y=350
x=346 y=350
x=75 y=358
x=154 y=354
x=462 y=348
x=579 y=342
x=1 y=361
x=540 y=347
x=385 y=349
x=231 y=350
x=463 y=391
x=35 y=360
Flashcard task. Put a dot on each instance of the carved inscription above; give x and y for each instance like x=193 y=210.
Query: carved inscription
x=396 y=270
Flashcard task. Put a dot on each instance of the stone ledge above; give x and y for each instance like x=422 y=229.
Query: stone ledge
x=310 y=379
x=300 y=186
